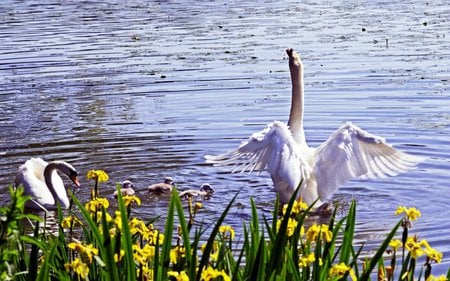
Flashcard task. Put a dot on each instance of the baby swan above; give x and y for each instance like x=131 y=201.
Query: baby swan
x=205 y=191
x=126 y=189
x=163 y=187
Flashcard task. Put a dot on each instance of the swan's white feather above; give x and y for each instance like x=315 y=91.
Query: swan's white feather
x=351 y=153
x=274 y=150
x=31 y=176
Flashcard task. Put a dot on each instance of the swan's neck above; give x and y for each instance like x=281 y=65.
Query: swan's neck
x=295 y=122
x=48 y=176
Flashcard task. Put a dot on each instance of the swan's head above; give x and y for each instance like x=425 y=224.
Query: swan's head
x=294 y=58
x=127 y=184
x=126 y=189
x=68 y=170
x=169 y=180
x=206 y=187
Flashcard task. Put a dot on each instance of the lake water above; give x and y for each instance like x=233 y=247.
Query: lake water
x=144 y=89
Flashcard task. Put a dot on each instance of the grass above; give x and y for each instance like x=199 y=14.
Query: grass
x=96 y=243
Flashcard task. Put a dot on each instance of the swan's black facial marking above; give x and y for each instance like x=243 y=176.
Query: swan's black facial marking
x=73 y=176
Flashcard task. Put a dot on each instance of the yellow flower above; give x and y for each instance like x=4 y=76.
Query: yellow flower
x=411 y=213
x=292 y=224
x=313 y=233
x=297 y=207
x=138 y=226
x=79 y=267
x=97 y=204
x=210 y=273
x=86 y=251
x=314 y=230
x=145 y=271
x=431 y=253
x=70 y=221
x=227 y=231
x=118 y=220
x=325 y=233
x=414 y=247
x=437 y=278
x=305 y=261
x=214 y=254
x=118 y=257
x=339 y=270
x=127 y=200
x=179 y=276
x=176 y=254
x=395 y=244
x=434 y=255
x=197 y=207
x=108 y=217
x=143 y=255
x=138 y=254
x=153 y=236
x=98 y=175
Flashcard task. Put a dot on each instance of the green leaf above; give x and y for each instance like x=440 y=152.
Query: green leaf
x=127 y=241
x=379 y=254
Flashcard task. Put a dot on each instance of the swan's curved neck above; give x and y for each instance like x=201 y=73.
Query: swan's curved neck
x=295 y=122
x=48 y=175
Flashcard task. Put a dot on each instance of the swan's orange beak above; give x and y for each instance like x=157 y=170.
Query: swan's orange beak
x=75 y=180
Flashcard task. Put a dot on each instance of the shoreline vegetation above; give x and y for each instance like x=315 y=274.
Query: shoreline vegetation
x=94 y=242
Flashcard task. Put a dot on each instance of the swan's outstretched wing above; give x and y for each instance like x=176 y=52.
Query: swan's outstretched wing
x=351 y=153
x=272 y=149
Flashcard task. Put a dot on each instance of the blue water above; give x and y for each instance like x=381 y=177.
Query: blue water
x=145 y=89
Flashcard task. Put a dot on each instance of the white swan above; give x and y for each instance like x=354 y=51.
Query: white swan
x=126 y=189
x=42 y=182
x=205 y=191
x=162 y=187
x=282 y=150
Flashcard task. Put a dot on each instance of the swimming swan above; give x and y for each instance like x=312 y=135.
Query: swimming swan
x=126 y=189
x=42 y=182
x=162 y=187
x=205 y=191
x=282 y=150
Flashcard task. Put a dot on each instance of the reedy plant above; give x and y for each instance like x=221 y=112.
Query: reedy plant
x=95 y=243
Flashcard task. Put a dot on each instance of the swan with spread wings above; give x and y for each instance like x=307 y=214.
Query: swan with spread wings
x=281 y=149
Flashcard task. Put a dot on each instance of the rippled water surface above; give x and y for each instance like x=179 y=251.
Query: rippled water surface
x=145 y=89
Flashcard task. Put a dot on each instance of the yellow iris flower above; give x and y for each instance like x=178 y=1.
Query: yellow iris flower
x=395 y=244
x=86 y=251
x=339 y=270
x=314 y=230
x=437 y=278
x=305 y=261
x=97 y=204
x=79 y=267
x=127 y=200
x=210 y=274
x=297 y=208
x=98 y=175
x=176 y=254
x=179 y=276
x=414 y=247
x=411 y=213
x=227 y=231
x=138 y=226
x=70 y=221
x=214 y=254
